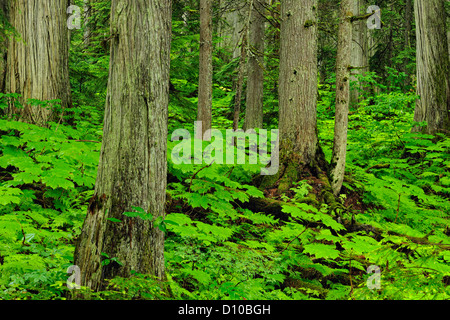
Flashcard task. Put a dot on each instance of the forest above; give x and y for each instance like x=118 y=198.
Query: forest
x=224 y=150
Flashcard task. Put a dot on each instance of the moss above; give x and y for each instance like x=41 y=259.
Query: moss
x=290 y=176
x=310 y=199
x=267 y=181
x=309 y=23
x=96 y=203
x=304 y=286
x=328 y=195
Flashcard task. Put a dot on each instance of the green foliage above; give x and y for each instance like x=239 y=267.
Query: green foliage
x=47 y=175
x=396 y=190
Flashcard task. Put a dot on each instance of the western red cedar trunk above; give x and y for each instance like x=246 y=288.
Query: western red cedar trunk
x=87 y=8
x=37 y=64
x=407 y=36
x=255 y=79
x=298 y=79
x=230 y=25
x=343 y=64
x=433 y=67
x=299 y=147
x=133 y=165
x=240 y=84
x=204 y=113
x=3 y=44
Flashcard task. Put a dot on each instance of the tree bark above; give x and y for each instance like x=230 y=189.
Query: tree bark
x=408 y=28
x=3 y=44
x=448 y=37
x=87 y=23
x=433 y=84
x=359 y=52
x=408 y=22
x=133 y=164
x=298 y=79
x=255 y=80
x=240 y=84
x=230 y=27
x=343 y=62
x=37 y=64
x=299 y=147
x=204 y=113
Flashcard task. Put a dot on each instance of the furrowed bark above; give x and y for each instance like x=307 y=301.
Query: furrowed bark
x=433 y=67
x=299 y=146
x=37 y=65
x=343 y=62
x=255 y=81
x=133 y=163
x=206 y=69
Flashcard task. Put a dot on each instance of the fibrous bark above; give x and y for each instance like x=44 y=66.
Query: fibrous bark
x=433 y=85
x=299 y=147
x=298 y=79
x=133 y=164
x=3 y=43
x=37 y=64
x=204 y=112
x=239 y=84
x=255 y=80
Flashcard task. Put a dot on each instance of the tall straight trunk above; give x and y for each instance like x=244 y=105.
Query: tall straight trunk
x=433 y=69
x=240 y=84
x=448 y=37
x=87 y=23
x=343 y=62
x=407 y=36
x=37 y=65
x=255 y=80
x=3 y=44
x=408 y=22
x=133 y=164
x=359 y=51
x=230 y=26
x=204 y=113
x=328 y=12
x=299 y=146
x=298 y=79
x=372 y=46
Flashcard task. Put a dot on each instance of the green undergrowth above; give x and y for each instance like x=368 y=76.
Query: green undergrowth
x=396 y=193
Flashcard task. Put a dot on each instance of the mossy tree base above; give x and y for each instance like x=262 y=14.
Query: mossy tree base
x=292 y=170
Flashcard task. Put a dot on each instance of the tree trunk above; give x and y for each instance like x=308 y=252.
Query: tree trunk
x=359 y=51
x=133 y=164
x=408 y=22
x=298 y=79
x=328 y=13
x=3 y=44
x=37 y=65
x=230 y=27
x=408 y=28
x=255 y=80
x=433 y=85
x=240 y=84
x=343 y=62
x=448 y=37
x=87 y=23
x=297 y=92
x=206 y=68
x=372 y=46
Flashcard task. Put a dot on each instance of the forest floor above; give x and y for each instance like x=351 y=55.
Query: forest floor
x=226 y=239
